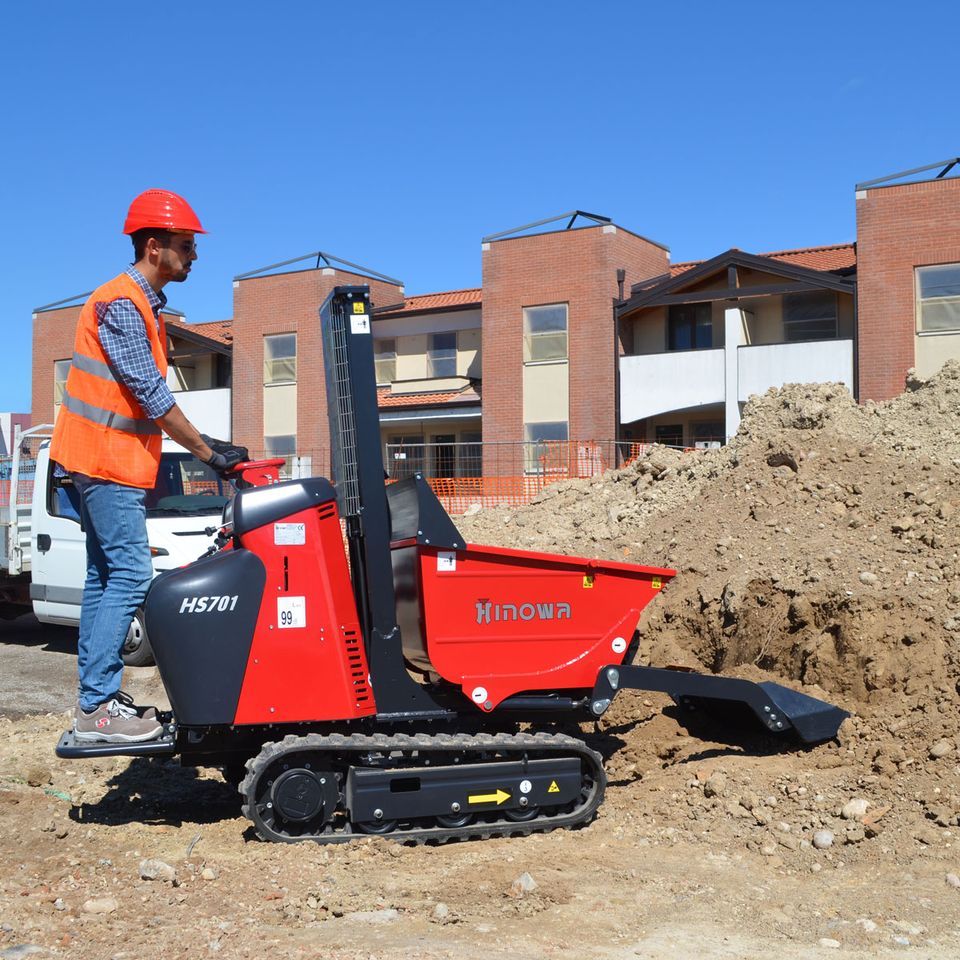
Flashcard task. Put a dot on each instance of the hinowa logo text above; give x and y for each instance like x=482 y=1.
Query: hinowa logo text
x=489 y=612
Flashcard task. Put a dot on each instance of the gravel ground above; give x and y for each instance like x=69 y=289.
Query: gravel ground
x=820 y=549
x=38 y=667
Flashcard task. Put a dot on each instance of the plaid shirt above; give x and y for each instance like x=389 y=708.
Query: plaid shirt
x=123 y=337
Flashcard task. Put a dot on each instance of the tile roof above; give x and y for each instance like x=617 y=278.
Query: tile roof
x=388 y=400
x=445 y=300
x=219 y=330
x=838 y=256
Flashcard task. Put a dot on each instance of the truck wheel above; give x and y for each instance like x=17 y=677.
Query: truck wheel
x=137 y=651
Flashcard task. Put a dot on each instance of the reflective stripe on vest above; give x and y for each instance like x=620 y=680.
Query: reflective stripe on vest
x=95 y=367
x=107 y=418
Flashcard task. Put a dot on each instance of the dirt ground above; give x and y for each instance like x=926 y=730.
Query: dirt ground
x=821 y=548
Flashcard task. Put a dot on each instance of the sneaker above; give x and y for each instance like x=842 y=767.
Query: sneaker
x=147 y=713
x=114 y=722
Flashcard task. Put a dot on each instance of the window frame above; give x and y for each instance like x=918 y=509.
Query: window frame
x=796 y=325
x=272 y=381
x=920 y=301
x=692 y=323
x=533 y=444
x=60 y=385
x=530 y=337
x=379 y=360
x=437 y=355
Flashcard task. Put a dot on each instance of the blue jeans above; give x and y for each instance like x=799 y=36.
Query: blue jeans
x=119 y=572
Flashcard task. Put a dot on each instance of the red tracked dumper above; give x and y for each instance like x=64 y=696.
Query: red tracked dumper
x=414 y=689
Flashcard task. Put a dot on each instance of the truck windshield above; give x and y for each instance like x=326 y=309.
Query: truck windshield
x=186 y=485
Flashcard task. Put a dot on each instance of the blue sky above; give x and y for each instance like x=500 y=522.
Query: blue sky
x=397 y=134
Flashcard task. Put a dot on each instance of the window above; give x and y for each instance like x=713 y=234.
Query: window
x=185 y=484
x=690 y=326
x=280 y=358
x=442 y=356
x=60 y=370
x=545 y=431
x=670 y=434
x=385 y=360
x=543 y=448
x=545 y=333
x=938 y=298
x=281 y=446
x=810 y=316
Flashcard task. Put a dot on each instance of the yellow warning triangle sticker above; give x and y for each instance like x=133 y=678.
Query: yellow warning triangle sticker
x=553 y=788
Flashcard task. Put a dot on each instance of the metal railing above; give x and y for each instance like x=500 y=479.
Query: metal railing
x=484 y=473
x=547 y=459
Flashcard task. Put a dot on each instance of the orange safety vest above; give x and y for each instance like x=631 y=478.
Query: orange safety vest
x=101 y=430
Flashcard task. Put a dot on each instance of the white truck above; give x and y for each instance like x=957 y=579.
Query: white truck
x=42 y=547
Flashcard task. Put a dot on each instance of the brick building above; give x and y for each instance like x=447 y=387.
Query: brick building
x=279 y=406
x=908 y=252
x=697 y=342
x=199 y=355
x=581 y=332
x=550 y=352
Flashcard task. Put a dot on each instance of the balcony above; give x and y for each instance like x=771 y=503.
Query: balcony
x=656 y=383
x=773 y=365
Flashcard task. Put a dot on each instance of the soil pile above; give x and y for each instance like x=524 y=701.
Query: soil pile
x=821 y=546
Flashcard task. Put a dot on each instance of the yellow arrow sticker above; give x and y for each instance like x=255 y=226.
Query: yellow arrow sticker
x=553 y=788
x=496 y=798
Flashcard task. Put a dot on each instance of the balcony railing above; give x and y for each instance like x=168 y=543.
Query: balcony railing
x=659 y=382
x=772 y=365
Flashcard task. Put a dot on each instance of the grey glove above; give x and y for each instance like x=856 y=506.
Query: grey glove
x=225 y=456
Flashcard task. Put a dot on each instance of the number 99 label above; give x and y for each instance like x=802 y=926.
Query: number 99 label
x=291 y=612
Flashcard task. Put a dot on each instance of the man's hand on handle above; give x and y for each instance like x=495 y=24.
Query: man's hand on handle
x=224 y=456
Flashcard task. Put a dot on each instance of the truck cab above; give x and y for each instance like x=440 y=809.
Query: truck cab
x=182 y=508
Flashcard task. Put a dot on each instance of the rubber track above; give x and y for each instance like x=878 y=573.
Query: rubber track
x=506 y=746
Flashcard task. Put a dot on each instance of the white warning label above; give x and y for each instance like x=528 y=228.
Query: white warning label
x=446 y=561
x=360 y=323
x=291 y=612
x=289 y=534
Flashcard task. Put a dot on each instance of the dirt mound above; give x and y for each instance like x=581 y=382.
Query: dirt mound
x=821 y=545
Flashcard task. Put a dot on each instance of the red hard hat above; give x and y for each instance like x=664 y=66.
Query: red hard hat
x=163 y=210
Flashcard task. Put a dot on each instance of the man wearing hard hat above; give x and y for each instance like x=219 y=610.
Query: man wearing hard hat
x=108 y=437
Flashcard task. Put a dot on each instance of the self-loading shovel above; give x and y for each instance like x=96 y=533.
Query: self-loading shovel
x=778 y=708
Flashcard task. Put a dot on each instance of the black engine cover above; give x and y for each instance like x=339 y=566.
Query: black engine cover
x=201 y=620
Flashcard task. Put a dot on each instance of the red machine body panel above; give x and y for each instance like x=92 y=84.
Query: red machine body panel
x=500 y=622
x=307 y=660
